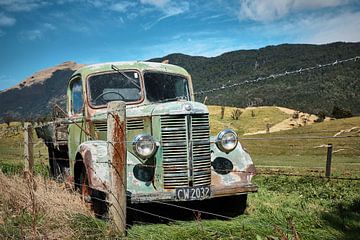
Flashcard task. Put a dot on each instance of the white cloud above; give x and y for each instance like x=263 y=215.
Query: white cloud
x=264 y=10
x=196 y=44
x=22 y=5
x=37 y=34
x=31 y=35
x=343 y=27
x=6 y=21
x=122 y=6
x=167 y=8
x=157 y=3
x=49 y=26
x=312 y=29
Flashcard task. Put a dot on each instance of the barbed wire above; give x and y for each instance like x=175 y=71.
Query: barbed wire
x=277 y=75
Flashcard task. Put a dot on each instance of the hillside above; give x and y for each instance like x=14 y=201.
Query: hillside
x=311 y=92
x=256 y=120
x=34 y=96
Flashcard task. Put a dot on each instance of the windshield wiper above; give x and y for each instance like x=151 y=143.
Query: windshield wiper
x=133 y=81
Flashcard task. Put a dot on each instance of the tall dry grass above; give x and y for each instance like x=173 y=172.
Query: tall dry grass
x=50 y=204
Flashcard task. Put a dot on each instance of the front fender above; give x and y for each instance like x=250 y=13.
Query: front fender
x=94 y=156
x=238 y=179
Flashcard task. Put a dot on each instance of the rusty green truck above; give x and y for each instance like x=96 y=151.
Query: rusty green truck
x=171 y=156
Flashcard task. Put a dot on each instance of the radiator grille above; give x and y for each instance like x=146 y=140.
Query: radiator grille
x=100 y=126
x=185 y=162
x=201 y=150
x=131 y=124
x=134 y=124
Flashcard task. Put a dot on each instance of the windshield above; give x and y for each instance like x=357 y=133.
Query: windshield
x=161 y=87
x=109 y=87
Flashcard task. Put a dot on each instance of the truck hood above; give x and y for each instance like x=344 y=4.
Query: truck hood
x=157 y=109
x=169 y=108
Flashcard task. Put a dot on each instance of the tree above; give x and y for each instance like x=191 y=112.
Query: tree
x=339 y=112
x=222 y=112
x=236 y=114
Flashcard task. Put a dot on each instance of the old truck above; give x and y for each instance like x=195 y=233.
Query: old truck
x=171 y=156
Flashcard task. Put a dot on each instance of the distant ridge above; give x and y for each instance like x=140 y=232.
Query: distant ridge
x=34 y=96
x=311 y=92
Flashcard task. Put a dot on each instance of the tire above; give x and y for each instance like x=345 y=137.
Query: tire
x=94 y=199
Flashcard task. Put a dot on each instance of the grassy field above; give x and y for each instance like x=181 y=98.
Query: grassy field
x=12 y=150
x=246 y=123
x=319 y=208
x=305 y=148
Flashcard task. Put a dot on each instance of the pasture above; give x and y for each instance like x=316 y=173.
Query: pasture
x=304 y=206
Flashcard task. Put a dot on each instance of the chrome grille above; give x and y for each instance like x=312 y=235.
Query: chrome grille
x=186 y=162
x=201 y=150
x=174 y=142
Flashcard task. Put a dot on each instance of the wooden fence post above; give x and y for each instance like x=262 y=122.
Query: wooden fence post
x=328 y=160
x=116 y=137
x=28 y=149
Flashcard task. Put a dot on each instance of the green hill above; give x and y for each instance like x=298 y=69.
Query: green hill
x=312 y=92
x=315 y=91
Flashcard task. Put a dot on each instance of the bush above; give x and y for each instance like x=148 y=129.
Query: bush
x=235 y=115
x=339 y=112
x=321 y=116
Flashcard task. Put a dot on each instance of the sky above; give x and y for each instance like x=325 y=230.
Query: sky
x=36 y=34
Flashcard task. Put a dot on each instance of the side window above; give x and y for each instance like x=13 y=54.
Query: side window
x=77 y=96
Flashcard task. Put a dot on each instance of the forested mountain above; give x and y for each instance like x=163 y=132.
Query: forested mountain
x=35 y=96
x=315 y=91
x=318 y=90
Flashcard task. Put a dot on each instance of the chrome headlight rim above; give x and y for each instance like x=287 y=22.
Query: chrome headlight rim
x=144 y=137
x=220 y=140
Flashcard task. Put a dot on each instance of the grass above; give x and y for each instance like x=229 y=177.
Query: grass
x=319 y=208
x=292 y=151
x=12 y=150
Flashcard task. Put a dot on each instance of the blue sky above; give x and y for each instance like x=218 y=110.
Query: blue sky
x=35 y=34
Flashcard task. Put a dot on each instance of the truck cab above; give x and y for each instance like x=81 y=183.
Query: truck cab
x=171 y=156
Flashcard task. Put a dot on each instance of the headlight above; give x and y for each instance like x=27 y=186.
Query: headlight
x=226 y=140
x=144 y=146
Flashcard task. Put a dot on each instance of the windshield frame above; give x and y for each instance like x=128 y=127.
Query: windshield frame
x=187 y=78
x=88 y=92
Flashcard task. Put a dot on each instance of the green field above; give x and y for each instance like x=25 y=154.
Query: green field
x=319 y=208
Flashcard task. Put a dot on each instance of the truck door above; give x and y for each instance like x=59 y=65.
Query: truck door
x=76 y=115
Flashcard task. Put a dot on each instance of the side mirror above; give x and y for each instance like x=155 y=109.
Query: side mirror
x=58 y=112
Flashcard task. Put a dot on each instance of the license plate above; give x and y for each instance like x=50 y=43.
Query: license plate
x=193 y=193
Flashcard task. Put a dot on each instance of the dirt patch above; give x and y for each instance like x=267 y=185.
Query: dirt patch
x=302 y=119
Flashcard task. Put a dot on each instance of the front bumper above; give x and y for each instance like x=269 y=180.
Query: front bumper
x=169 y=195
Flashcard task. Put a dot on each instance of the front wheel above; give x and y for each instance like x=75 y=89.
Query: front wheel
x=94 y=199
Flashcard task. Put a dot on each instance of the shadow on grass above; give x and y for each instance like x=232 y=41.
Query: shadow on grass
x=217 y=208
x=345 y=217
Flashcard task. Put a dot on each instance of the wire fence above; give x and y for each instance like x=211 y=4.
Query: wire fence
x=288 y=156
x=304 y=160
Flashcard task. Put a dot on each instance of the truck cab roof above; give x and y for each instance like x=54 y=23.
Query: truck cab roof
x=135 y=65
